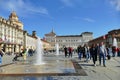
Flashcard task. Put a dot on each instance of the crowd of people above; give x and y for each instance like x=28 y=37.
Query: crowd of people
x=24 y=53
x=94 y=52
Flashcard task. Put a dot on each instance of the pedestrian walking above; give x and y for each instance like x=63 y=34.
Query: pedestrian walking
x=16 y=57
x=93 y=52
x=119 y=52
x=114 y=51
x=1 y=55
x=70 y=51
x=65 y=51
x=87 y=52
x=109 y=52
x=79 y=50
x=102 y=54
x=83 y=52
x=30 y=52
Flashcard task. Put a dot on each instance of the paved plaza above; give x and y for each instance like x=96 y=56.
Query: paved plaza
x=57 y=67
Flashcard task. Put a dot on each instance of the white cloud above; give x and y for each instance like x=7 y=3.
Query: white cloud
x=116 y=4
x=88 y=20
x=20 y=6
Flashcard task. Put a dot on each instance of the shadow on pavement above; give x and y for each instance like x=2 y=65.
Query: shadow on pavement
x=86 y=64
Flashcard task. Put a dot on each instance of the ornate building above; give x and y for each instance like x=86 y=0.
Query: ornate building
x=51 y=37
x=108 y=38
x=13 y=39
x=11 y=34
x=68 y=40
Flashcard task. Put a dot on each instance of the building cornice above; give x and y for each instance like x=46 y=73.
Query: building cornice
x=70 y=36
x=8 y=22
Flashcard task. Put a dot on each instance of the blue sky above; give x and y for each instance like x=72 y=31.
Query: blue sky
x=65 y=17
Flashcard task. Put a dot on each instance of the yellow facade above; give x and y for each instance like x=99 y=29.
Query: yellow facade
x=46 y=45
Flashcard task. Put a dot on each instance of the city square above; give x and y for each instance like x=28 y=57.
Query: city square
x=59 y=40
x=63 y=69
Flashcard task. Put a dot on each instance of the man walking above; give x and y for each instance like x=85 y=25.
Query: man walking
x=79 y=50
x=102 y=53
x=65 y=50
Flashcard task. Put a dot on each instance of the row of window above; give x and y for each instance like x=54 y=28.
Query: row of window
x=10 y=34
x=66 y=40
x=73 y=45
x=50 y=40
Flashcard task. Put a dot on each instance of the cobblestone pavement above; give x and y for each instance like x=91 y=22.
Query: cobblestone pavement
x=110 y=72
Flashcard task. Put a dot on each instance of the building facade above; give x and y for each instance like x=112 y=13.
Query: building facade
x=68 y=40
x=30 y=41
x=98 y=40
x=13 y=39
x=46 y=45
x=111 y=35
x=51 y=38
x=108 y=38
x=11 y=34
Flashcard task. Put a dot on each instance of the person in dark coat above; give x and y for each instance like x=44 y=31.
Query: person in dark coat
x=79 y=50
x=16 y=57
x=30 y=52
x=65 y=50
x=93 y=52
x=83 y=52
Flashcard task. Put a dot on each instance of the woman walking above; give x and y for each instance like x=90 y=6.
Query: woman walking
x=93 y=52
x=87 y=52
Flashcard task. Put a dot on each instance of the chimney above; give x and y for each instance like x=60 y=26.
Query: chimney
x=34 y=33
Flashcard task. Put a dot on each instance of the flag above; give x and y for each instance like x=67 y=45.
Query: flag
x=104 y=37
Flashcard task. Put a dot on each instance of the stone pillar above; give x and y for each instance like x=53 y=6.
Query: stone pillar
x=12 y=48
x=17 y=48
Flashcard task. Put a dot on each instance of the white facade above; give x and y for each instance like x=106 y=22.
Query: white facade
x=30 y=42
x=13 y=39
x=68 y=40
x=11 y=35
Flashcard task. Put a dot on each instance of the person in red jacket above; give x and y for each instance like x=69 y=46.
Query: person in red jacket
x=70 y=51
x=118 y=51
